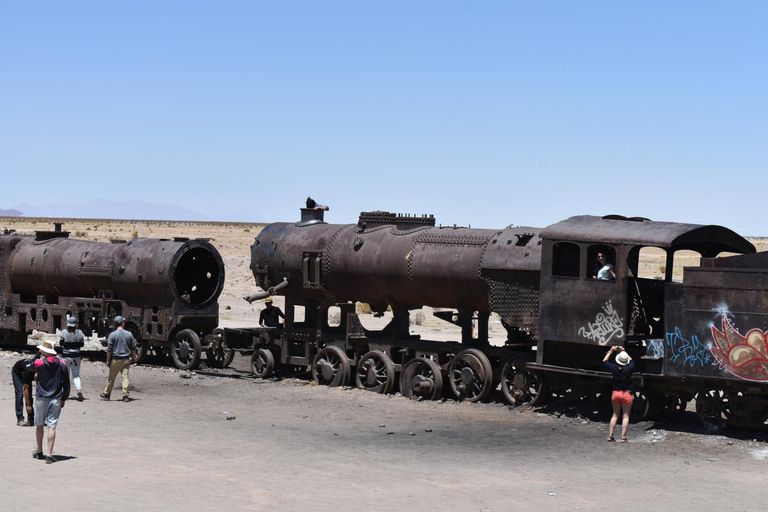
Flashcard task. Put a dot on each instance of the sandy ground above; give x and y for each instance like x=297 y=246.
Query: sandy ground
x=292 y=446
x=222 y=439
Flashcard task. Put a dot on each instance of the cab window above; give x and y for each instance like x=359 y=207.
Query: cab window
x=566 y=259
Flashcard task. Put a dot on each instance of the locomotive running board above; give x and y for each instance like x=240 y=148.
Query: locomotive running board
x=564 y=369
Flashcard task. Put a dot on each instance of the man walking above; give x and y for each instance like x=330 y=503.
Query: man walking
x=23 y=373
x=71 y=341
x=121 y=353
x=52 y=393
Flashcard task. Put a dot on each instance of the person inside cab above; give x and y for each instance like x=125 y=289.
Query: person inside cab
x=607 y=271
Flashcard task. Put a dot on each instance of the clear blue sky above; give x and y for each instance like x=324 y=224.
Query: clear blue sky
x=483 y=113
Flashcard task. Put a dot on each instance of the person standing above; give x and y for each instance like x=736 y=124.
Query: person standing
x=23 y=373
x=52 y=393
x=71 y=341
x=270 y=317
x=121 y=353
x=622 y=397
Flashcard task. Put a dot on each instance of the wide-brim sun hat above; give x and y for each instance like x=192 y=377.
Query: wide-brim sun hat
x=47 y=348
x=622 y=359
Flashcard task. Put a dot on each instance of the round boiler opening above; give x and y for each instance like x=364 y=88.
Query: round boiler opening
x=197 y=276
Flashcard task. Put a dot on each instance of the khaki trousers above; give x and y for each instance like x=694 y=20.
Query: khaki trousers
x=118 y=366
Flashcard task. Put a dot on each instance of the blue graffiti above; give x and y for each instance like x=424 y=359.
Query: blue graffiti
x=689 y=352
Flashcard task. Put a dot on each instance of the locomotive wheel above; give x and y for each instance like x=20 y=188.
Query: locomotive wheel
x=142 y=346
x=142 y=349
x=185 y=350
x=421 y=380
x=220 y=357
x=642 y=406
x=331 y=367
x=671 y=406
x=375 y=372
x=520 y=385
x=262 y=363
x=713 y=408
x=471 y=375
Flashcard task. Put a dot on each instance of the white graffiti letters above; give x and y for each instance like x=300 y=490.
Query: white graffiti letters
x=606 y=326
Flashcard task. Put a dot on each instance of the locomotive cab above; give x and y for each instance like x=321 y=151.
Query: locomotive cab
x=606 y=281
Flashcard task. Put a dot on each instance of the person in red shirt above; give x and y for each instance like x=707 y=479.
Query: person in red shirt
x=52 y=392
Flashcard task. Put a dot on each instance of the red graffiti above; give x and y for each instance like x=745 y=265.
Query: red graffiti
x=743 y=356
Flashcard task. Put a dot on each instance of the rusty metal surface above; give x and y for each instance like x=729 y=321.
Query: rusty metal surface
x=159 y=286
x=392 y=259
x=708 y=239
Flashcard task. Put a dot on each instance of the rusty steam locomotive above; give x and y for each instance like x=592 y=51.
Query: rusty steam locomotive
x=683 y=326
x=167 y=290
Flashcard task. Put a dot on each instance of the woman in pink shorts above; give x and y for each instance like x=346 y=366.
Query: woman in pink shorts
x=622 y=389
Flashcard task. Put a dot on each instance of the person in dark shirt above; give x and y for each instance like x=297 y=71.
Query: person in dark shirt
x=23 y=374
x=622 y=397
x=71 y=341
x=52 y=392
x=270 y=317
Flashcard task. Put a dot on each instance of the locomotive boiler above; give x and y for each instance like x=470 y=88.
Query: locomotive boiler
x=166 y=289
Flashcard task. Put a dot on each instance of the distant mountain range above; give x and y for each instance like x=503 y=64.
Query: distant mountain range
x=134 y=209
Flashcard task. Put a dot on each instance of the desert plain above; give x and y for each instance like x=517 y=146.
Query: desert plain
x=220 y=439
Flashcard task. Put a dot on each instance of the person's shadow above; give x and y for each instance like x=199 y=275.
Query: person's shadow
x=62 y=458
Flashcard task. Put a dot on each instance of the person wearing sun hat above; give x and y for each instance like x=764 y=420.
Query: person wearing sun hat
x=71 y=341
x=52 y=392
x=622 y=397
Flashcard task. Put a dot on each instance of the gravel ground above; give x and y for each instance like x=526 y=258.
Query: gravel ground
x=223 y=439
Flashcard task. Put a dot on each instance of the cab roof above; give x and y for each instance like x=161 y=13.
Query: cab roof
x=708 y=240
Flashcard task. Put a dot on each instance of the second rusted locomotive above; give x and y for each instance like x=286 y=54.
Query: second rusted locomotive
x=167 y=290
x=677 y=307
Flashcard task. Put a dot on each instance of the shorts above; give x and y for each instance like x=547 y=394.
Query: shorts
x=622 y=397
x=47 y=411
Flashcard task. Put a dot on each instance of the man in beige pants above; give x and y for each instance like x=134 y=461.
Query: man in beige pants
x=121 y=353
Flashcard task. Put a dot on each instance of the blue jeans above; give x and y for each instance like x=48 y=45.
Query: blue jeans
x=18 y=388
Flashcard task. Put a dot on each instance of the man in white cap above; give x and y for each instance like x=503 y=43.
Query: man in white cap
x=52 y=392
x=71 y=341
x=121 y=353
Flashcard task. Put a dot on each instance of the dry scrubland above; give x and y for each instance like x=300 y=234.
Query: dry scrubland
x=223 y=440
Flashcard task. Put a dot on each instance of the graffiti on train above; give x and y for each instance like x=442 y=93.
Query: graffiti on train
x=689 y=352
x=744 y=356
x=606 y=327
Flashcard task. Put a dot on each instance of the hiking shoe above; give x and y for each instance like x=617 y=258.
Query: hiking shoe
x=37 y=454
x=79 y=396
x=21 y=422
x=103 y=396
x=50 y=459
x=126 y=399
x=611 y=439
